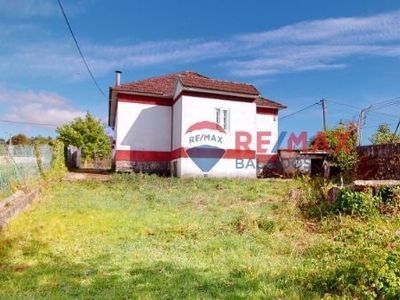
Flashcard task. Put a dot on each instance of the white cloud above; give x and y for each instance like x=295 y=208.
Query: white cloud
x=37 y=107
x=24 y=8
x=309 y=45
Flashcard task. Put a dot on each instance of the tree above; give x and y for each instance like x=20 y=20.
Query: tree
x=340 y=144
x=41 y=140
x=19 y=139
x=87 y=133
x=383 y=135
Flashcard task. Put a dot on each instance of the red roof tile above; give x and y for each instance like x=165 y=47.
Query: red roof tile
x=264 y=102
x=194 y=80
x=165 y=85
x=162 y=85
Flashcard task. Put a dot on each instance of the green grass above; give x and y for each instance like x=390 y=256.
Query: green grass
x=146 y=237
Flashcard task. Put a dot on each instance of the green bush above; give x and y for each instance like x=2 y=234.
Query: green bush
x=363 y=264
x=58 y=167
x=311 y=199
x=354 y=203
x=390 y=200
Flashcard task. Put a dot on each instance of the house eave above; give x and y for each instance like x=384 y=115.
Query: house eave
x=218 y=92
x=114 y=97
x=272 y=106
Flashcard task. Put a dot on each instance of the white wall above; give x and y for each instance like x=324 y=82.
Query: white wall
x=143 y=127
x=267 y=123
x=177 y=124
x=242 y=117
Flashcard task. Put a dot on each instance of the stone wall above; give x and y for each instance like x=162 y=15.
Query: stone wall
x=14 y=205
x=378 y=162
x=160 y=168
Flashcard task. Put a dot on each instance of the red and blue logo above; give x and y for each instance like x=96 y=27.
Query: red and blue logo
x=205 y=142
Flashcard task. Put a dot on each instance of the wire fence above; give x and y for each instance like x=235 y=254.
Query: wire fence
x=21 y=163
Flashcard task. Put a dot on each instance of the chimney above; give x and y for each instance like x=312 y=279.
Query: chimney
x=118 y=78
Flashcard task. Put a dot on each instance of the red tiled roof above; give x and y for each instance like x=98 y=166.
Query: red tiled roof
x=264 y=102
x=194 y=80
x=162 y=85
x=165 y=85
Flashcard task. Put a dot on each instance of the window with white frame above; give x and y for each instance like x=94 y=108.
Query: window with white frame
x=222 y=117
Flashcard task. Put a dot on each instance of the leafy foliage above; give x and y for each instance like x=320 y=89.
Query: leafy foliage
x=87 y=133
x=362 y=260
x=41 y=140
x=319 y=200
x=362 y=264
x=340 y=143
x=383 y=135
x=58 y=168
x=362 y=204
x=19 y=139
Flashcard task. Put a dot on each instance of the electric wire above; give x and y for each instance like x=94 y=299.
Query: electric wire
x=344 y=104
x=299 y=111
x=28 y=123
x=79 y=49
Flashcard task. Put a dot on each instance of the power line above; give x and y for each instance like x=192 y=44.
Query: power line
x=383 y=114
x=344 y=104
x=386 y=103
x=299 y=111
x=79 y=49
x=27 y=123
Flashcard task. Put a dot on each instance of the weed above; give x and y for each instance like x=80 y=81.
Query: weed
x=147 y=237
x=354 y=203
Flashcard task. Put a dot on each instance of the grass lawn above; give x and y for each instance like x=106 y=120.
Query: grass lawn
x=146 y=237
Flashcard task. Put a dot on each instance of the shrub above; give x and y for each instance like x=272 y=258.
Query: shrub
x=354 y=203
x=312 y=198
x=390 y=200
x=364 y=264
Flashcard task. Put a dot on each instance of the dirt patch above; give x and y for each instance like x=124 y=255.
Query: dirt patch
x=81 y=174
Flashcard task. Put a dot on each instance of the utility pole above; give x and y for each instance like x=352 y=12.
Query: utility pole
x=323 y=103
x=361 y=119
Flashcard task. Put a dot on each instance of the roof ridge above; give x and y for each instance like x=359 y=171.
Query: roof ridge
x=164 y=84
x=151 y=78
x=192 y=72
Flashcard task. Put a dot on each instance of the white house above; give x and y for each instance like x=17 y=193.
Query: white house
x=187 y=124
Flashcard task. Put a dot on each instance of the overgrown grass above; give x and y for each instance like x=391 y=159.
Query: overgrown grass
x=146 y=237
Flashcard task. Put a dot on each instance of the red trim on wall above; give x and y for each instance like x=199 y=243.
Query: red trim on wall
x=132 y=155
x=267 y=111
x=213 y=96
x=264 y=158
x=234 y=153
x=178 y=153
x=144 y=99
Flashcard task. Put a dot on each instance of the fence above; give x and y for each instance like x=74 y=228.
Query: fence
x=19 y=163
x=378 y=162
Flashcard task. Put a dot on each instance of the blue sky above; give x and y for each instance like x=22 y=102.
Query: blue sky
x=294 y=52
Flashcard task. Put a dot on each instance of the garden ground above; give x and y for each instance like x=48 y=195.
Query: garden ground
x=149 y=237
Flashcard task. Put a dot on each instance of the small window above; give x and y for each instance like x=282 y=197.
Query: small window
x=222 y=117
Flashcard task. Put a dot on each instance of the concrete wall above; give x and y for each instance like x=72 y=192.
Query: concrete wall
x=197 y=110
x=377 y=162
x=142 y=137
x=267 y=136
x=143 y=127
